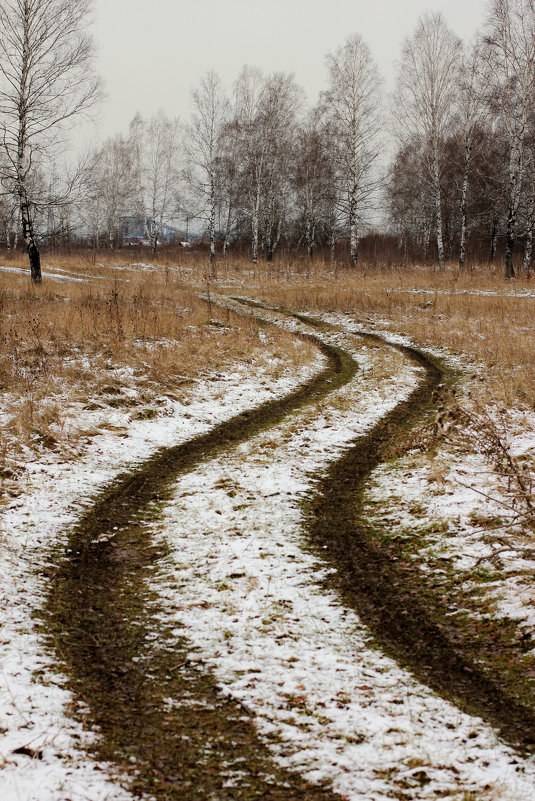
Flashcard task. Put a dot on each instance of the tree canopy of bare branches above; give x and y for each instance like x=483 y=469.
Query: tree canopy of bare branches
x=46 y=79
x=509 y=51
x=425 y=97
x=351 y=104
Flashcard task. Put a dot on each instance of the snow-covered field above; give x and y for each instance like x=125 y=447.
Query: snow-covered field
x=33 y=704
x=250 y=601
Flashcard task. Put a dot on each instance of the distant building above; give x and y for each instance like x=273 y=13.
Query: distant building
x=134 y=232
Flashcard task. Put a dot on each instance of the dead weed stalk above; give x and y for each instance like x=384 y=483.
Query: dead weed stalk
x=487 y=434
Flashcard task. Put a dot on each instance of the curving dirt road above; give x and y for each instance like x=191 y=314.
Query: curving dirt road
x=125 y=661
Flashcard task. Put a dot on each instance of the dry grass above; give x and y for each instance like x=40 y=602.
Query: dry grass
x=434 y=310
x=67 y=340
x=118 y=339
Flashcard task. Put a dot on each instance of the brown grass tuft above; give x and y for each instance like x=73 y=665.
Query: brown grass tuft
x=120 y=338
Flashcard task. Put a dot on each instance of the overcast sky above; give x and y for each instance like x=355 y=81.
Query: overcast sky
x=150 y=52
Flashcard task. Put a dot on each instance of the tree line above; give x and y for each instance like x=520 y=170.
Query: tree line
x=260 y=166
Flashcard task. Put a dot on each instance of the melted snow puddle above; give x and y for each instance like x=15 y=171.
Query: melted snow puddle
x=246 y=594
x=34 y=704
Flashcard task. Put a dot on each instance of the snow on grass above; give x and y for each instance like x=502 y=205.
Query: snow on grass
x=246 y=591
x=57 y=275
x=458 y=495
x=462 y=491
x=488 y=293
x=247 y=594
x=34 y=705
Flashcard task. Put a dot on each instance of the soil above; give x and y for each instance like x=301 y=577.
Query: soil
x=468 y=661
x=160 y=716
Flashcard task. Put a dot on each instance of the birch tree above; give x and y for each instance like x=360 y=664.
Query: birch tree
x=352 y=104
x=156 y=147
x=265 y=113
x=409 y=201
x=111 y=189
x=204 y=143
x=46 y=79
x=425 y=97
x=230 y=183
x=313 y=178
x=472 y=114
x=510 y=64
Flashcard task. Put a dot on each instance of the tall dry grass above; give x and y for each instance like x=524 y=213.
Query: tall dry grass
x=435 y=309
x=122 y=337
x=496 y=331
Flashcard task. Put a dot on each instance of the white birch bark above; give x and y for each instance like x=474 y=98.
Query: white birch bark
x=46 y=78
x=464 y=193
x=352 y=104
x=425 y=97
x=510 y=64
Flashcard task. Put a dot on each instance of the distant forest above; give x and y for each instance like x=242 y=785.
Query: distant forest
x=259 y=168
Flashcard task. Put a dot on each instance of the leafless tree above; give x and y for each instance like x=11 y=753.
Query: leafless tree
x=352 y=104
x=110 y=189
x=157 y=155
x=9 y=222
x=313 y=178
x=510 y=66
x=472 y=118
x=265 y=114
x=425 y=98
x=409 y=201
x=230 y=184
x=204 y=143
x=46 y=79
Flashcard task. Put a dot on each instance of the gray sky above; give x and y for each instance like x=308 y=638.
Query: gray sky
x=150 y=52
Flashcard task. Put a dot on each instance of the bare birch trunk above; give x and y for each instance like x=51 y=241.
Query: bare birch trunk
x=464 y=192
x=510 y=241
x=24 y=204
x=212 y=221
x=528 y=246
x=438 y=206
x=353 y=233
x=255 y=217
x=515 y=185
x=528 y=250
x=227 y=232
x=29 y=238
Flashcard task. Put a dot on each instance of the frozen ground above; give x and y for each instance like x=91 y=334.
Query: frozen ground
x=462 y=491
x=304 y=665
x=33 y=704
x=250 y=602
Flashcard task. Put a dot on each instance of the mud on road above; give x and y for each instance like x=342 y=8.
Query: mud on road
x=124 y=662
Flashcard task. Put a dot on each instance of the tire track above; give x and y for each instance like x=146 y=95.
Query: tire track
x=410 y=622
x=124 y=663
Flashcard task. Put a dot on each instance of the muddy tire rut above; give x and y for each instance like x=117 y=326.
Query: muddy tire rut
x=124 y=662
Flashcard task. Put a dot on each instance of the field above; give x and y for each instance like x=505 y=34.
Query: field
x=277 y=520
